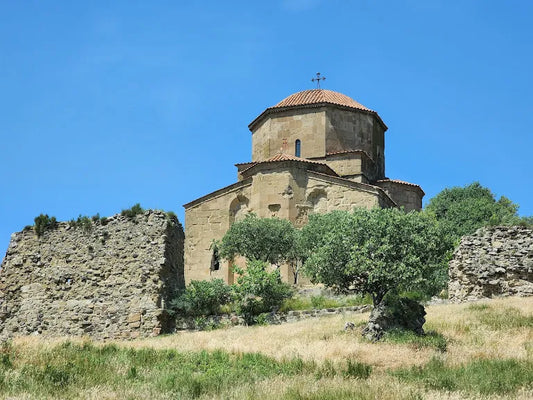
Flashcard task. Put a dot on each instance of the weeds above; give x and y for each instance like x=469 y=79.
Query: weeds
x=482 y=376
x=478 y=307
x=357 y=370
x=133 y=211
x=83 y=222
x=431 y=339
x=65 y=370
x=508 y=318
x=44 y=223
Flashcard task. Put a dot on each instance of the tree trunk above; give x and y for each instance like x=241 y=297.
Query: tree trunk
x=395 y=313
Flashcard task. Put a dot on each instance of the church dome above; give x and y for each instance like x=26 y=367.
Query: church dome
x=310 y=99
x=319 y=96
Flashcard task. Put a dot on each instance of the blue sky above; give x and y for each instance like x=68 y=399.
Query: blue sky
x=106 y=104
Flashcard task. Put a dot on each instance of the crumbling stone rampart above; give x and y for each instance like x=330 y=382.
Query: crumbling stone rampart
x=112 y=280
x=495 y=261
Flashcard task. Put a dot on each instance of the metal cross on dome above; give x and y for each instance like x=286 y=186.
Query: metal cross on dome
x=318 y=79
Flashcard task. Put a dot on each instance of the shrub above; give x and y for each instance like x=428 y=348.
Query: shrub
x=171 y=215
x=84 y=222
x=202 y=298
x=259 y=291
x=43 y=223
x=133 y=211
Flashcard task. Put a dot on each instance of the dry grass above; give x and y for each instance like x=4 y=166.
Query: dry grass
x=314 y=339
x=323 y=339
x=470 y=339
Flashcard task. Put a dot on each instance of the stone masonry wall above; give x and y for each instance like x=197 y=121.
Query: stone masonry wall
x=495 y=261
x=306 y=125
x=110 y=281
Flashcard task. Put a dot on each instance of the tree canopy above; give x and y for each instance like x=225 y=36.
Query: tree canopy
x=374 y=251
x=270 y=240
x=462 y=210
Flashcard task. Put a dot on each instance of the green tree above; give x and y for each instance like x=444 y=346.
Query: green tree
x=374 y=251
x=259 y=290
x=462 y=210
x=270 y=240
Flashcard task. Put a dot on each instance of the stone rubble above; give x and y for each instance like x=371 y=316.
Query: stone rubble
x=495 y=261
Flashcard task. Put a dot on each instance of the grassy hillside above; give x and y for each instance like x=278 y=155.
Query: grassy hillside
x=476 y=350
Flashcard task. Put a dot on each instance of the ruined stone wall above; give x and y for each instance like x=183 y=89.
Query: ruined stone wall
x=495 y=261
x=112 y=280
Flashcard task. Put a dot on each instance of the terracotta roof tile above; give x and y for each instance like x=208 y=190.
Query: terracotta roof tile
x=285 y=157
x=334 y=153
x=314 y=98
x=399 y=181
x=317 y=96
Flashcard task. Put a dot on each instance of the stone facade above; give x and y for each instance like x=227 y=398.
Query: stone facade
x=405 y=194
x=286 y=189
x=495 y=261
x=314 y=152
x=323 y=132
x=110 y=281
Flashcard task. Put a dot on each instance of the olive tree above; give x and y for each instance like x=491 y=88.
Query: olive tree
x=374 y=251
x=270 y=240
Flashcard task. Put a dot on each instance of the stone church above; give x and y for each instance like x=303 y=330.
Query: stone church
x=315 y=151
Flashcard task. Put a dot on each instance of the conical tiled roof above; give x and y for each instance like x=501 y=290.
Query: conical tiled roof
x=318 y=96
x=314 y=98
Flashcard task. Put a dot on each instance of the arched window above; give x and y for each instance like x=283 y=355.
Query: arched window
x=298 y=148
x=215 y=261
